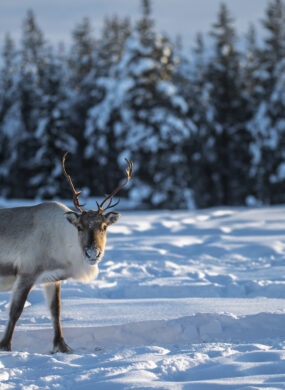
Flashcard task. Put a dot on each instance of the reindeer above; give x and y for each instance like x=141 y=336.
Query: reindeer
x=48 y=243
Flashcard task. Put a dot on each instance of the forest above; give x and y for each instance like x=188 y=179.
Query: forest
x=204 y=127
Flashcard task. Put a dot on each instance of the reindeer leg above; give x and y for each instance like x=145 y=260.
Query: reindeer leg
x=52 y=292
x=21 y=290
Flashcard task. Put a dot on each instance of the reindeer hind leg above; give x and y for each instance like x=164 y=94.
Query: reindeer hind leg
x=21 y=290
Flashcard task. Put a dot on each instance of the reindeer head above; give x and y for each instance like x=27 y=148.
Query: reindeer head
x=92 y=225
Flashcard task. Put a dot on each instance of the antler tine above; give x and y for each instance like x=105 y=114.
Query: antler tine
x=128 y=171
x=110 y=205
x=75 y=193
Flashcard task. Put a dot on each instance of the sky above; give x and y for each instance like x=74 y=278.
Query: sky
x=57 y=18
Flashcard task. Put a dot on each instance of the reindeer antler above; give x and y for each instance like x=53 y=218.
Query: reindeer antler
x=75 y=193
x=109 y=198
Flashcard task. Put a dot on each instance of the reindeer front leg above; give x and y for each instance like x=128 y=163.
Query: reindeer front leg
x=52 y=292
x=21 y=290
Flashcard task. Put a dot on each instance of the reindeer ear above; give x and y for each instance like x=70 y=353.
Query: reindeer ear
x=72 y=217
x=112 y=217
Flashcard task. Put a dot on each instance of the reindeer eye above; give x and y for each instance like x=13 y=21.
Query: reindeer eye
x=105 y=227
x=79 y=228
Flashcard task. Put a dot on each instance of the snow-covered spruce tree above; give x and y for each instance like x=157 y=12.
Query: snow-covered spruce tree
x=26 y=108
x=143 y=117
x=253 y=92
x=111 y=43
x=277 y=110
x=228 y=116
x=9 y=121
x=103 y=160
x=191 y=79
x=161 y=122
x=81 y=81
x=81 y=53
x=251 y=62
x=91 y=60
x=268 y=123
x=53 y=132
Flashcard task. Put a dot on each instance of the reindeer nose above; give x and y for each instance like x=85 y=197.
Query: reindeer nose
x=91 y=253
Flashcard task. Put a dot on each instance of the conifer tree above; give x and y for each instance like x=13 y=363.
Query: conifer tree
x=9 y=123
x=274 y=50
x=26 y=108
x=111 y=43
x=101 y=153
x=276 y=109
x=266 y=124
x=81 y=54
x=198 y=148
x=53 y=132
x=145 y=116
x=253 y=92
x=231 y=140
x=81 y=84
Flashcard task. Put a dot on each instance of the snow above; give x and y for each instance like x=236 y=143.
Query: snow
x=184 y=300
x=143 y=66
x=281 y=171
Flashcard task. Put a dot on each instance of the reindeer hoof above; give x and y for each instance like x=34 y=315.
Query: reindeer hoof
x=5 y=347
x=61 y=346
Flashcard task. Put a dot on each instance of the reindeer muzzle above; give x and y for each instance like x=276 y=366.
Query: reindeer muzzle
x=92 y=255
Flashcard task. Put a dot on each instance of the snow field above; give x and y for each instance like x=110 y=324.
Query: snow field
x=184 y=300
